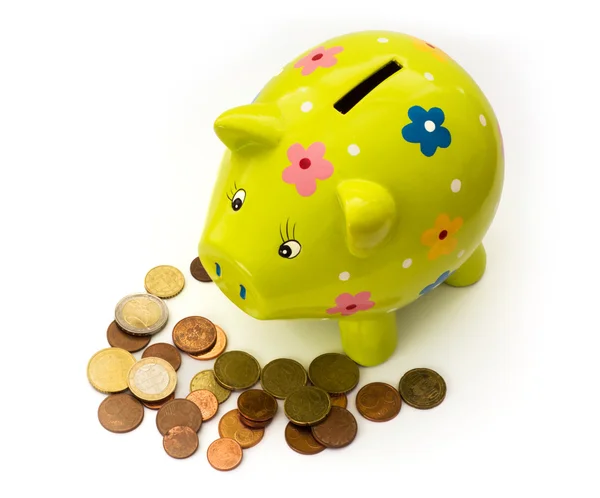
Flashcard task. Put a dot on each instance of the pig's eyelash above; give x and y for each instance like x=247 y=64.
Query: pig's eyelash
x=287 y=232
x=232 y=192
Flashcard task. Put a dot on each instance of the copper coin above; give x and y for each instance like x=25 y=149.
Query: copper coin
x=198 y=271
x=178 y=412
x=341 y=400
x=378 y=402
x=301 y=440
x=194 y=334
x=224 y=454
x=337 y=430
x=422 y=388
x=252 y=423
x=216 y=350
x=180 y=442
x=165 y=351
x=231 y=426
x=157 y=405
x=119 y=339
x=257 y=405
x=206 y=401
x=120 y=413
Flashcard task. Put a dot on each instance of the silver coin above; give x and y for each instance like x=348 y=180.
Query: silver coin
x=141 y=314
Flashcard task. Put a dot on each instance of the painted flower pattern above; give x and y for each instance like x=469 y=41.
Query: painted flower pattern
x=441 y=238
x=426 y=129
x=440 y=280
x=319 y=57
x=347 y=304
x=308 y=166
x=424 y=46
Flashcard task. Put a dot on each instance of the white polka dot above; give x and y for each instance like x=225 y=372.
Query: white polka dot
x=344 y=276
x=406 y=263
x=353 y=149
x=382 y=40
x=306 y=106
x=429 y=125
x=428 y=76
x=460 y=254
x=455 y=185
x=482 y=119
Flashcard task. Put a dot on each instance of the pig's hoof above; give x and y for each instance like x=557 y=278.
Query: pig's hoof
x=371 y=340
x=470 y=271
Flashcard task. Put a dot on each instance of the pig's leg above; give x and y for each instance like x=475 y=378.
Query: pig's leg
x=470 y=271
x=369 y=340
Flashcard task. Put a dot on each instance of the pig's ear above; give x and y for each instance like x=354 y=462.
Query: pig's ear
x=253 y=125
x=370 y=213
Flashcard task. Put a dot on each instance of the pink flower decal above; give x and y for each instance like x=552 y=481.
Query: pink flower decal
x=347 y=304
x=307 y=167
x=319 y=57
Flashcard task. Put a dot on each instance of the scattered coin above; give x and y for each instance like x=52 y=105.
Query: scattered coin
x=337 y=430
x=206 y=380
x=378 y=402
x=141 y=314
x=231 y=426
x=152 y=379
x=307 y=405
x=198 y=271
x=282 y=376
x=157 y=405
x=119 y=339
x=253 y=424
x=194 y=334
x=422 y=388
x=206 y=401
x=257 y=405
x=334 y=373
x=340 y=400
x=301 y=440
x=224 y=454
x=236 y=370
x=107 y=370
x=216 y=350
x=120 y=413
x=165 y=351
x=180 y=442
x=164 y=281
x=178 y=412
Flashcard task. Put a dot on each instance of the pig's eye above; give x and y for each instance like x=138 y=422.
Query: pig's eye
x=238 y=199
x=290 y=249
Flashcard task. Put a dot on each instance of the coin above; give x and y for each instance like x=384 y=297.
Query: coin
x=180 y=442
x=337 y=430
x=307 y=405
x=206 y=380
x=422 y=388
x=198 y=271
x=334 y=373
x=206 y=401
x=166 y=352
x=281 y=376
x=152 y=379
x=257 y=405
x=301 y=440
x=107 y=370
x=164 y=281
x=216 y=350
x=194 y=334
x=120 y=413
x=378 y=402
x=236 y=370
x=157 y=405
x=141 y=314
x=232 y=427
x=224 y=454
x=340 y=400
x=252 y=423
x=119 y=339
x=178 y=412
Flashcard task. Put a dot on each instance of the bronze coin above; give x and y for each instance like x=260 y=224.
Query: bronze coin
x=257 y=405
x=378 y=402
x=231 y=426
x=198 y=271
x=119 y=339
x=180 y=442
x=340 y=400
x=337 y=430
x=194 y=334
x=157 y=405
x=301 y=440
x=120 y=413
x=178 y=412
x=224 y=454
x=216 y=350
x=422 y=388
x=165 y=351
x=206 y=401
x=252 y=423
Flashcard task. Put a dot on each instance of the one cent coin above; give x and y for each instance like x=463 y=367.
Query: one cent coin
x=378 y=402
x=164 y=281
x=120 y=413
x=232 y=427
x=152 y=379
x=206 y=380
x=178 y=412
x=422 y=388
x=119 y=339
x=337 y=430
x=198 y=271
x=257 y=405
x=236 y=370
x=141 y=314
x=165 y=351
x=282 y=376
x=180 y=442
x=194 y=334
x=334 y=373
x=206 y=401
x=157 y=405
x=301 y=440
x=216 y=350
x=224 y=454
x=252 y=423
x=107 y=370
x=307 y=405
x=341 y=400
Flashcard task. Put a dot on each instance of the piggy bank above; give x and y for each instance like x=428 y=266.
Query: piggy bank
x=363 y=175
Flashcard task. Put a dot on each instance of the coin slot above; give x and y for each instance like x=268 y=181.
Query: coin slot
x=218 y=269
x=242 y=292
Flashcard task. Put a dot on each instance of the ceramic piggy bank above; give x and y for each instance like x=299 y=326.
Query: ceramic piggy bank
x=363 y=175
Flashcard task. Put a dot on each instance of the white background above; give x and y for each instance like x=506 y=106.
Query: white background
x=108 y=157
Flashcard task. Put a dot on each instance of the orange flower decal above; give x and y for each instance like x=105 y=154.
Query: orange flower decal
x=440 y=237
x=423 y=46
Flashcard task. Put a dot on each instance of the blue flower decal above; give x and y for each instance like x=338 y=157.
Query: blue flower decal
x=426 y=129
x=440 y=280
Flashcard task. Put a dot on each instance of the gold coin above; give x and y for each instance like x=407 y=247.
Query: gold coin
x=141 y=314
x=164 y=281
x=236 y=370
x=422 y=388
x=282 y=376
x=334 y=373
x=107 y=370
x=152 y=379
x=307 y=405
x=206 y=380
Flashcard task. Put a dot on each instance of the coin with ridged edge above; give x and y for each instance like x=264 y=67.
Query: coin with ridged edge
x=282 y=376
x=141 y=314
x=152 y=379
x=335 y=373
x=307 y=405
x=107 y=370
x=206 y=380
x=164 y=281
x=422 y=388
x=236 y=370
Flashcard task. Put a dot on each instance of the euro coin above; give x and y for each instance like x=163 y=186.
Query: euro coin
x=236 y=370
x=378 y=402
x=178 y=412
x=194 y=334
x=120 y=413
x=301 y=440
x=107 y=370
x=307 y=405
x=224 y=454
x=164 y=281
x=152 y=379
x=232 y=427
x=257 y=405
x=422 y=388
x=117 y=338
x=165 y=351
x=337 y=430
x=334 y=373
x=282 y=376
x=206 y=380
x=141 y=314
x=180 y=442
